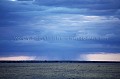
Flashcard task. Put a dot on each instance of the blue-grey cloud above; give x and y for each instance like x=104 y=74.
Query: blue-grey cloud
x=94 y=4
x=67 y=27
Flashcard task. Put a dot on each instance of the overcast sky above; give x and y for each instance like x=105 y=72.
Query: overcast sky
x=60 y=30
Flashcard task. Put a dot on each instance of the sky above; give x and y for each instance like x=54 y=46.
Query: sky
x=84 y=30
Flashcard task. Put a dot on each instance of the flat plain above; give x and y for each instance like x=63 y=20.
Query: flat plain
x=59 y=70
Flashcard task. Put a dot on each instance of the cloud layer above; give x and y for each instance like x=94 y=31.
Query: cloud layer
x=17 y=58
x=96 y=22
x=101 y=57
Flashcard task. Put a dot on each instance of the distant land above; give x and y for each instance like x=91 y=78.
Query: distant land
x=45 y=61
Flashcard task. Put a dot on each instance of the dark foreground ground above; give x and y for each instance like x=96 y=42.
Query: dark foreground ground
x=59 y=70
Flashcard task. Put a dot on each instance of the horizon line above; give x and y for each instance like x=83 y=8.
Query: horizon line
x=54 y=61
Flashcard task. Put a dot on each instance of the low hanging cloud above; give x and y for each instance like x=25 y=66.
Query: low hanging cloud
x=17 y=58
x=101 y=57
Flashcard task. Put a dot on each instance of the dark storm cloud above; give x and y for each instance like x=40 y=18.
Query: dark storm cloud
x=52 y=18
x=85 y=7
x=89 y=4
